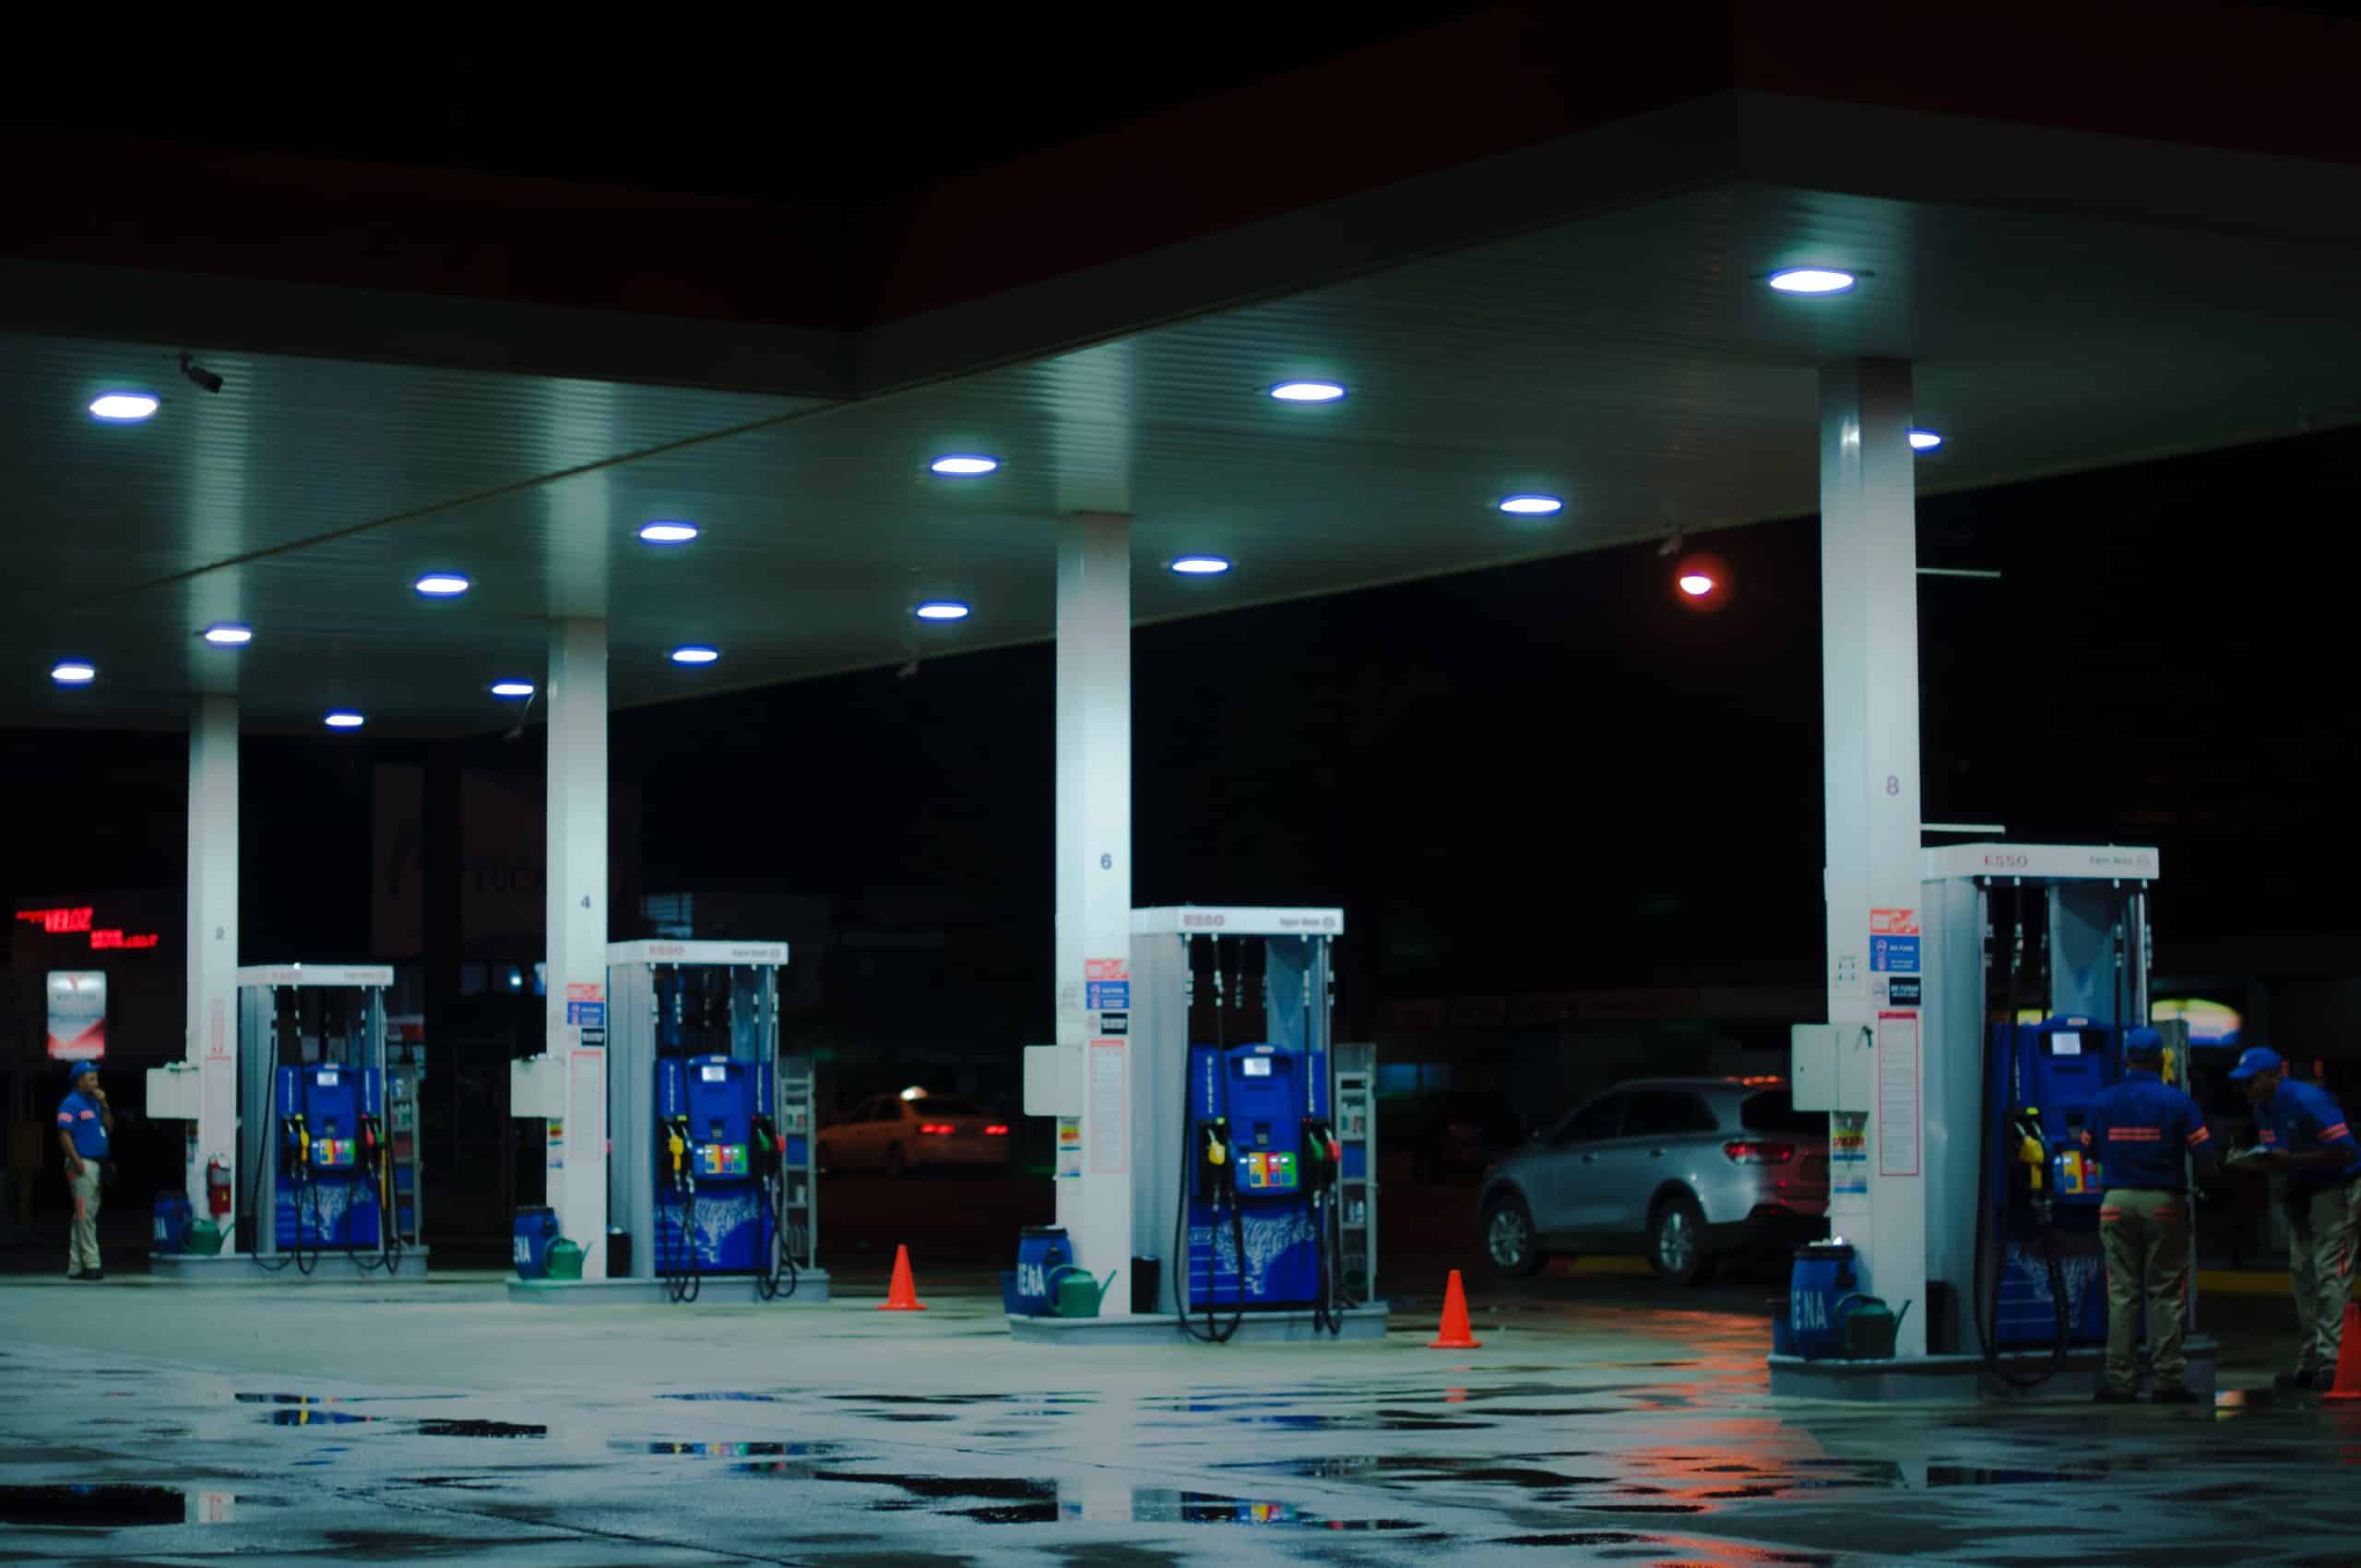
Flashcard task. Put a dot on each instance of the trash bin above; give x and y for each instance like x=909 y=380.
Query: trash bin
x=1822 y=1277
x=171 y=1222
x=1147 y=1279
x=1040 y=1249
x=536 y=1229
x=618 y=1254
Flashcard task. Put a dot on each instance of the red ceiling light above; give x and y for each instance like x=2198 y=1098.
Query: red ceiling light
x=1700 y=582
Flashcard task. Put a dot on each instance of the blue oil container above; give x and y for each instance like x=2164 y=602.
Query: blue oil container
x=536 y=1229
x=1041 y=1249
x=1822 y=1277
x=171 y=1222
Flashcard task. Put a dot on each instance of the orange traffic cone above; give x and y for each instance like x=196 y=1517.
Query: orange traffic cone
x=1455 y=1334
x=902 y=1295
x=2348 y=1356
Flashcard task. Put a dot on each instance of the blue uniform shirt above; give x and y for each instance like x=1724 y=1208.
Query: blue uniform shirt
x=2303 y=1117
x=79 y=1115
x=2143 y=1131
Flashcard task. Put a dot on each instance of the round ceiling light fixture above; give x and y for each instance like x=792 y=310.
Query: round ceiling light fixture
x=344 y=718
x=72 y=672
x=1694 y=582
x=512 y=689
x=1925 y=440
x=694 y=653
x=229 y=634
x=442 y=585
x=943 y=609
x=1532 y=505
x=964 y=464
x=668 y=532
x=1201 y=565
x=1812 y=280
x=123 y=407
x=1307 y=391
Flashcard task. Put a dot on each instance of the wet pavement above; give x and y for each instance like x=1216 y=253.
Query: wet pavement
x=1598 y=1424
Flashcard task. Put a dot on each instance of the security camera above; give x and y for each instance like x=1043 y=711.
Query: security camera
x=206 y=380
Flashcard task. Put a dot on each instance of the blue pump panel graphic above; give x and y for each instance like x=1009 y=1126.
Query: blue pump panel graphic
x=336 y=1205
x=1265 y=1091
x=720 y=1097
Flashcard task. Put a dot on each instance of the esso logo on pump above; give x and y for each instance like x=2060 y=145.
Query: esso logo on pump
x=1998 y=859
x=1202 y=921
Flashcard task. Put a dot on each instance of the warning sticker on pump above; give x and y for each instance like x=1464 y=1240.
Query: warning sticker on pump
x=1893 y=923
x=585 y=991
x=1106 y=969
x=1893 y=955
x=1902 y=990
x=1108 y=993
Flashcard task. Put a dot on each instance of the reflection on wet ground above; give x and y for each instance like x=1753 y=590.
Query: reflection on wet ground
x=1647 y=1439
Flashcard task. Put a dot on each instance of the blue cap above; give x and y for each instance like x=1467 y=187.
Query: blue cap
x=2143 y=1042
x=2256 y=1059
x=75 y=1069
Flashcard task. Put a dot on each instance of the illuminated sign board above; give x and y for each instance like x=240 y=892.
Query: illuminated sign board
x=74 y=920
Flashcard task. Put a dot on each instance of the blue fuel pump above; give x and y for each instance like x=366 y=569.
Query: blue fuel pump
x=2044 y=1273
x=715 y=1212
x=330 y=1193
x=1261 y=1212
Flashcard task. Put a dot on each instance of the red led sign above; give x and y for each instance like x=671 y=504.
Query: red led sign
x=67 y=921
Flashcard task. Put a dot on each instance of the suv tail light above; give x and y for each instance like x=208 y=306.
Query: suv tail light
x=937 y=1129
x=1754 y=1151
x=996 y=1130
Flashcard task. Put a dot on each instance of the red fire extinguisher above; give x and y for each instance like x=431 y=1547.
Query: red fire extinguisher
x=217 y=1187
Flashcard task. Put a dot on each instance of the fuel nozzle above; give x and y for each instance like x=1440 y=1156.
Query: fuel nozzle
x=676 y=1142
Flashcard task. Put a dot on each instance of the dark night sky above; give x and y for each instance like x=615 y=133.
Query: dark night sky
x=1548 y=777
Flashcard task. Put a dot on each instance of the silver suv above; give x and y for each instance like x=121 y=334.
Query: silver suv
x=1692 y=1169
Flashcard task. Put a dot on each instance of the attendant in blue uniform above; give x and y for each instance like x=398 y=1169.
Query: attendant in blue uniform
x=84 y=1120
x=2304 y=1136
x=2145 y=1134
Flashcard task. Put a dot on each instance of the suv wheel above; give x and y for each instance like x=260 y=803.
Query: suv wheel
x=1677 y=1241
x=1509 y=1240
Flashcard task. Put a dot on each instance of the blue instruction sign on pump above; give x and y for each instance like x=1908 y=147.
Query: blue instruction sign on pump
x=1893 y=955
x=1105 y=994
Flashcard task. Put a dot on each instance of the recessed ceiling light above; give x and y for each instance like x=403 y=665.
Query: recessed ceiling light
x=1307 y=391
x=74 y=672
x=964 y=464
x=1924 y=441
x=694 y=653
x=512 y=688
x=1696 y=584
x=123 y=407
x=668 y=533
x=229 y=634
x=1812 y=280
x=1532 y=505
x=942 y=609
x=344 y=718
x=442 y=585
x=1201 y=565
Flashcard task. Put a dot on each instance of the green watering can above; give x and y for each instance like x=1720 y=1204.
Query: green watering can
x=1074 y=1293
x=1865 y=1327
x=566 y=1259
x=204 y=1238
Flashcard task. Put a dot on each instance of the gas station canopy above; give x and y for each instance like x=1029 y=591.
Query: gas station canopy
x=2094 y=249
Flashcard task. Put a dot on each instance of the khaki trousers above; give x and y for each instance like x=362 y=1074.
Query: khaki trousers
x=82 y=1239
x=2319 y=1258
x=2145 y=1234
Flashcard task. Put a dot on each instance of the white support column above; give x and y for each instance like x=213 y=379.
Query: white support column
x=212 y=1043
x=575 y=931
x=1094 y=887
x=1869 y=552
